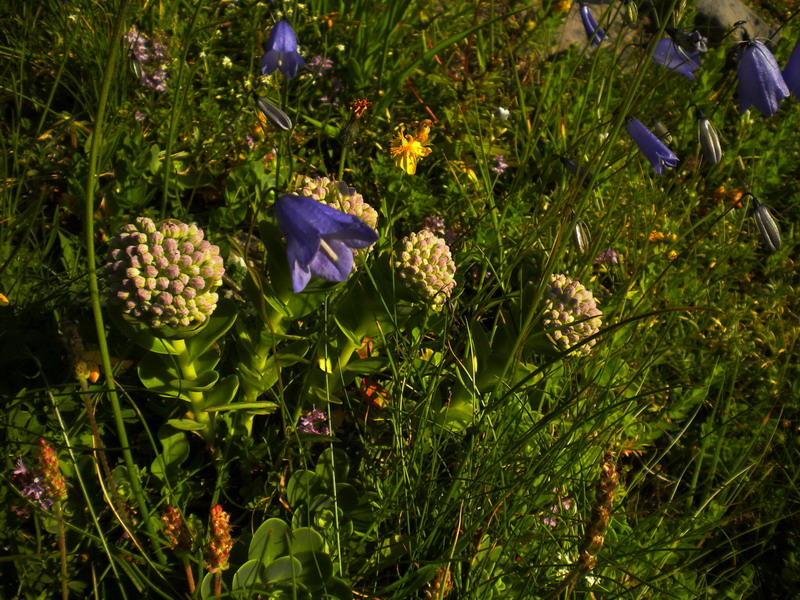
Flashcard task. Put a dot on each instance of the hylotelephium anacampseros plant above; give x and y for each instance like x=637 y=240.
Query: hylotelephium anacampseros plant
x=163 y=275
x=571 y=311
x=162 y=288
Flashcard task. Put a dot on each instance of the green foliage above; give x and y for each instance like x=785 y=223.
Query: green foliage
x=463 y=446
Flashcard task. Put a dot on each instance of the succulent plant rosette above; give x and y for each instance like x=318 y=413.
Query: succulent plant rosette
x=162 y=291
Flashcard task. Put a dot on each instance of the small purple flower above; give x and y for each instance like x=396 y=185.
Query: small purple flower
x=32 y=486
x=593 y=32
x=319 y=65
x=760 y=81
x=319 y=239
x=156 y=82
x=657 y=153
x=609 y=256
x=140 y=116
x=670 y=55
x=315 y=423
x=435 y=223
x=791 y=74
x=500 y=164
x=137 y=45
x=282 y=51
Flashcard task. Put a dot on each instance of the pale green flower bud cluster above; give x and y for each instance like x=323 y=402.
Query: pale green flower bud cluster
x=337 y=195
x=313 y=187
x=348 y=200
x=427 y=266
x=165 y=274
x=572 y=309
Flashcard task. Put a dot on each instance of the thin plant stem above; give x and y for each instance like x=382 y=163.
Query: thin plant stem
x=94 y=290
x=62 y=549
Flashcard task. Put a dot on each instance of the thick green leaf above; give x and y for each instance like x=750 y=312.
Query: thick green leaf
x=216 y=326
x=317 y=569
x=162 y=378
x=366 y=366
x=337 y=589
x=270 y=541
x=283 y=569
x=175 y=452
x=223 y=393
x=305 y=539
x=333 y=465
x=140 y=334
x=186 y=424
x=207 y=586
x=253 y=408
x=303 y=486
x=208 y=360
x=248 y=576
x=346 y=497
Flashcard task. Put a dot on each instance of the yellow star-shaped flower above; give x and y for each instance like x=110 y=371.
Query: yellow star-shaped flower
x=407 y=149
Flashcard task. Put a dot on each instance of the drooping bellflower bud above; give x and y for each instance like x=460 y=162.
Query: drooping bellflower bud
x=709 y=139
x=274 y=114
x=581 y=236
x=767 y=226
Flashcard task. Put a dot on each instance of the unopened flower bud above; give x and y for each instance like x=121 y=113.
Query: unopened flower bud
x=427 y=266
x=709 y=139
x=581 y=237
x=630 y=13
x=165 y=274
x=767 y=226
x=275 y=115
x=571 y=311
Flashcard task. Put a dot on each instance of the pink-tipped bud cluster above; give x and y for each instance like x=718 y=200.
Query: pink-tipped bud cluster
x=51 y=473
x=427 y=266
x=572 y=310
x=220 y=543
x=176 y=530
x=338 y=195
x=165 y=274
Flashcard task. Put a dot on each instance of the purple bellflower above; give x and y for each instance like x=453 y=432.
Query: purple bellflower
x=320 y=239
x=791 y=74
x=282 y=51
x=593 y=32
x=669 y=54
x=760 y=81
x=653 y=148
